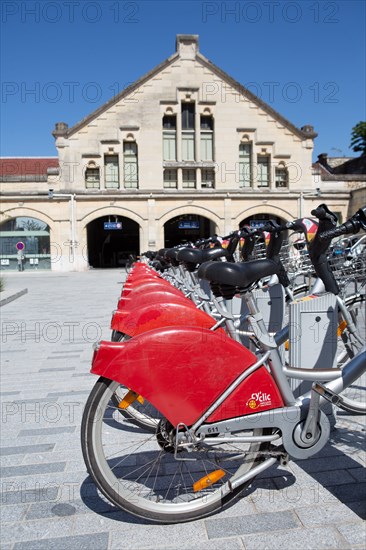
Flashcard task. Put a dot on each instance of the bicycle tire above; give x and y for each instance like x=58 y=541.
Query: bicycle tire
x=354 y=397
x=141 y=476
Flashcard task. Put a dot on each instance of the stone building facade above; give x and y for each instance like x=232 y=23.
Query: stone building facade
x=185 y=151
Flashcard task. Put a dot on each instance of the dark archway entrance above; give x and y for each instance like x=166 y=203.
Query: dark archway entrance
x=187 y=228
x=110 y=240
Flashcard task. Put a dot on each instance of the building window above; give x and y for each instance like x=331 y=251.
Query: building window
x=92 y=177
x=189 y=179
x=170 y=178
x=169 y=137
x=111 y=172
x=206 y=137
x=188 y=116
x=207 y=178
x=245 y=165
x=188 y=127
x=130 y=165
x=263 y=171
x=281 y=176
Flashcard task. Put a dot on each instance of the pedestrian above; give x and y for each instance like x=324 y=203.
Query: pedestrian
x=20 y=259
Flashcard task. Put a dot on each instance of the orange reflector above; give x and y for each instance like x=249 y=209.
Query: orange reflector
x=287 y=345
x=341 y=327
x=140 y=399
x=208 y=480
x=128 y=399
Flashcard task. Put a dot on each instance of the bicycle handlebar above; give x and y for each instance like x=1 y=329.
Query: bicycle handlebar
x=351 y=226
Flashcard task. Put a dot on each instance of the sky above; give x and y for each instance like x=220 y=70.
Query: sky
x=62 y=59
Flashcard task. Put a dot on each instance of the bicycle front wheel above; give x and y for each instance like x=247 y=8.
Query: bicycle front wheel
x=138 y=471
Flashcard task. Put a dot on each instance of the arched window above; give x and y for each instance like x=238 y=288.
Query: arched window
x=130 y=164
x=281 y=176
x=169 y=137
x=245 y=165
x=207 y=133
x=92 y=176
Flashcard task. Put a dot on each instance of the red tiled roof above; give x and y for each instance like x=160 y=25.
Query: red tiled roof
x=27 y=166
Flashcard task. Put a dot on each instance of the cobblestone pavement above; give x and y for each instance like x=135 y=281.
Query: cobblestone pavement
x=48 y=500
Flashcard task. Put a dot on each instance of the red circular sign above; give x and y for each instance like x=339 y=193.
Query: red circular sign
x=20 y=245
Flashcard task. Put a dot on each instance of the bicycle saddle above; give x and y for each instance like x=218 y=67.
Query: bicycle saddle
x=171 y=255
x=240 y=275
x=191 y=257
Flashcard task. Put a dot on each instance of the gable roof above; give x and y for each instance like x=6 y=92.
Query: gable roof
x=306 y=132
x=26 y=166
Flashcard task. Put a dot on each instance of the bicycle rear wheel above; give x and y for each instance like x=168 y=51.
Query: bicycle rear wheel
x=138 y=472
x=354 y=397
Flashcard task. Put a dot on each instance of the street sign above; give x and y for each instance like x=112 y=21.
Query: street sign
x=112 y=225
x=257 y=224
x=189 y=225
x=20 y=245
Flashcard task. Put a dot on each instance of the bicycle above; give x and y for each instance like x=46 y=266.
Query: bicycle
x=219 y=427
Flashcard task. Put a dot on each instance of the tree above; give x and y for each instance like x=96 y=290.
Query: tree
x=358 y=138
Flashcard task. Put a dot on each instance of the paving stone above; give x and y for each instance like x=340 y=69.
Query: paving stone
x=47 y=431
x=35 y=400
x=18 y=493
x=298 y=538
x=359 y=474
x=15 y=471
x=353 y=533
x=69 y=507
x=354 y=492
x=59 y=369
x=218 y=544
x=257 y=523
x=358 y=508
x=335 y=477
x=327 y=514
x=341 y=462
x=97 y=541
x=150 y=536
x=26 y=449
x=13 y=513
x=70 y=393
x=12 y=460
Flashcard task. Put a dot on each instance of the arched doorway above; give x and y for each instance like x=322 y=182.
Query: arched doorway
x=110 y=241
x=187 y=228
x=24 y=244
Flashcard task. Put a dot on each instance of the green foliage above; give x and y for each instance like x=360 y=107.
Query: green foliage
x=358 y=138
